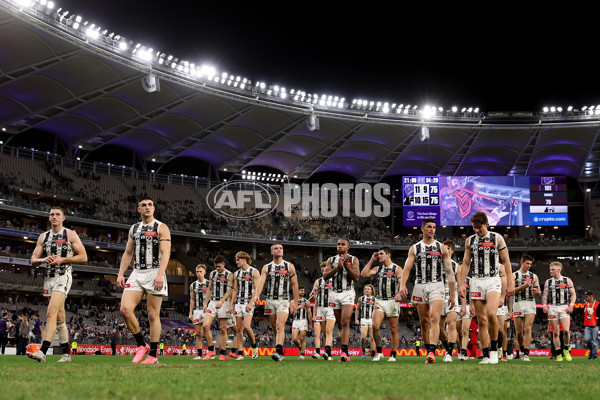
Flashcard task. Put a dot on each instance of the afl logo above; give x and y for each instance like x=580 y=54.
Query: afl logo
x=242 y=200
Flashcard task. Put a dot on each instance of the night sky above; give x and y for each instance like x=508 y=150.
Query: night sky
x=503 y=57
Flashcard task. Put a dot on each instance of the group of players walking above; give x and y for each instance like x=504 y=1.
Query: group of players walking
x=444 y=294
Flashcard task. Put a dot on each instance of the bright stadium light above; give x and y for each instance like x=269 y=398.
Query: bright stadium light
x=207 y=71
x=427 y=114
x=25 y=3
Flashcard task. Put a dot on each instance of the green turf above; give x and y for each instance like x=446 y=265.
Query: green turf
x=176 y=377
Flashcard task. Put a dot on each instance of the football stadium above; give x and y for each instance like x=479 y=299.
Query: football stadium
x=170 y=230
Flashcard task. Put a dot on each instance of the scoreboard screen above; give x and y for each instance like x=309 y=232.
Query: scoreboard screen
x=506 y=200
x=549 y=204
x=421 y=199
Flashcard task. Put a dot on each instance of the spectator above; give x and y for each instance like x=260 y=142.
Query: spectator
x=37 y=329
x=4 y=325
x=23 y=335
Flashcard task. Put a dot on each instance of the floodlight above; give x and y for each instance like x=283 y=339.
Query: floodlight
x=92 y=33
x=427 y=113
x=25 y=3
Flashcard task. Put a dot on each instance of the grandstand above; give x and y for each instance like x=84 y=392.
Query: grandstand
x=95 y=146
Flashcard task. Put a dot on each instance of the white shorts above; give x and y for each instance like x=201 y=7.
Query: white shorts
x=425 y=293
x=467 y=316
x=142 y=280
x=220 y=313
x=197 y=317
x=366 y=323
x=503 y=312
x=58 y=283
x=388 y=307
x=456 y=308
x=324 y=313
x=239 y=310
x=342 y=298
x=522 y=308
x=231 y=321
x=480 y=287
x=300 y=325
x=276 y=306
x=557 y=313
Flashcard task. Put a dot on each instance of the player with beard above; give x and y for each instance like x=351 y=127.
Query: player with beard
x=343 y=269
x=432 y=260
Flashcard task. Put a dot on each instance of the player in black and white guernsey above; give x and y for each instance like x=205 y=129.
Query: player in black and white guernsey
x=463 y=320
x=558 y=299
x=324 y=317
x=198 y=290
x=343 y=270
x=245 y=281
x=300 y=324
x=387 y=277
x=449 y=316
x=364 y=318
x=527 y=286
x=149 y=247
x=430 y=260
x=58 y=248
x=216 y=305
x=279 y=275
x=487 y=256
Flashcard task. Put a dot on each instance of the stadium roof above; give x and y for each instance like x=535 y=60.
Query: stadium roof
x=90 y=94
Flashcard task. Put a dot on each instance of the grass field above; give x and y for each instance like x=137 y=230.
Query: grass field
x=176 y=377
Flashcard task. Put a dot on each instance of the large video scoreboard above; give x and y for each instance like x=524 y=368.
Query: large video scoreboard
x=507 y=200
x=549 y=200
